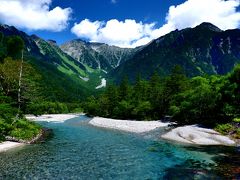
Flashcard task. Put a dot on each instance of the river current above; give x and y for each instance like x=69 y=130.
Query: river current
x=80 y=151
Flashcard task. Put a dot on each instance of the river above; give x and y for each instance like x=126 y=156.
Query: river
x=80 y=151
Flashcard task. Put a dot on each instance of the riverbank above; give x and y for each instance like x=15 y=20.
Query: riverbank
x=8 y=145
x=52 y=117
x=128 y=126
x=12 y=142
x=194 y=134
x=198 y=136
x=186 y=134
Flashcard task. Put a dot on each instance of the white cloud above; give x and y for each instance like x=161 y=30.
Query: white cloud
x=34 y=14
x=126 y=33
x=191 y=13
x=86 y=29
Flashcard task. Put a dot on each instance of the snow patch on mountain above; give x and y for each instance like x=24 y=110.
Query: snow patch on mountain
x=86 y=79
x=103 y=84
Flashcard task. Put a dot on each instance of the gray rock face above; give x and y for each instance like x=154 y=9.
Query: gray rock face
x=97 y=55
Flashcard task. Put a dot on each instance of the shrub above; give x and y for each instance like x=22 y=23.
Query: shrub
x=47 y=108
x=4 y=127
x=225 y=128
x=77 y=110
x=236 y=120
x=25 y=130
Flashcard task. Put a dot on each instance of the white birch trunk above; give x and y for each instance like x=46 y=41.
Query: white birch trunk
x=19 y=87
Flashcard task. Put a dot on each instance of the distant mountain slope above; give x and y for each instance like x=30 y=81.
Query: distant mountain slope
x=204 y=49
x=64 y=63
x=64 y=78
x=97 y=55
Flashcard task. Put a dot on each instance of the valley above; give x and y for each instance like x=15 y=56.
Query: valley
x=160 y=91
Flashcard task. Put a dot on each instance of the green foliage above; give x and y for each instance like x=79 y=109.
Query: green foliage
x=208 y=100
x=141 y=111
x=235 y=75
x=140 y=101
x=21 y=128
x=4 y=129
x=225 y=128
x=77 y=110
x=47 y=108
x=24 y=130
x=236 y=120
x=9 y=76
x=124 y=89
x=15 y=45
x=197 y=104
x=231 y=94
x=7 y=111
x=123 y=109
x=91 y=107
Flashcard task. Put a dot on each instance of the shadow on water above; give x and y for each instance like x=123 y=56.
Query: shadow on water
x=227 y=164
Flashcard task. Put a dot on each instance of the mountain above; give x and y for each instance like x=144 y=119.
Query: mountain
x=97 y=55
x=53 y=54
x=64 y=78
x=72 y=71
x=204 y=49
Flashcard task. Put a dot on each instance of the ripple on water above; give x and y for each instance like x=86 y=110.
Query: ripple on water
x=80 y=151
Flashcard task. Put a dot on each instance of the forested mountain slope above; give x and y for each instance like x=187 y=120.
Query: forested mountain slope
x=63 y=78
x=204 y=49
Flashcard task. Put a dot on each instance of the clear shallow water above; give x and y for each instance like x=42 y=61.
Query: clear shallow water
x=80 y=151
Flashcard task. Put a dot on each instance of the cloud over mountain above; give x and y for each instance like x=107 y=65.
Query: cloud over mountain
x=34 y=14
x=130 y=33
x=113 y=32
x=193 y=12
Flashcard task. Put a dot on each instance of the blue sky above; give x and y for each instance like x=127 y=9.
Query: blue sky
x=124 y=23
x=104 y=10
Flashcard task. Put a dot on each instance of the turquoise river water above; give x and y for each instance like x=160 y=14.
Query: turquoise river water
x=80 y=151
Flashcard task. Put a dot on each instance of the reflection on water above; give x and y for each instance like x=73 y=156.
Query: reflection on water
x=80 y=151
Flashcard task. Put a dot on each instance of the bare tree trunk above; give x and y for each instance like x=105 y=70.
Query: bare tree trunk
x=19 y=88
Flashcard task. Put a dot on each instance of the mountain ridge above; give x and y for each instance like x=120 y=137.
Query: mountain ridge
x=97 y=55
x=204 y=49
x=64 y=78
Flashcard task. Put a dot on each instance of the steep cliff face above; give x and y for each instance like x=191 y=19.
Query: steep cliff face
x=204 y=49
x=97 y=55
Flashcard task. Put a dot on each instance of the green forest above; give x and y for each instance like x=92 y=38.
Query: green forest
x=16 y=90
x=212 y=101
x=26 y=90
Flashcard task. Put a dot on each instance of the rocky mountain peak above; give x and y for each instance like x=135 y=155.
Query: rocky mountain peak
x=207 y=25
x=52 y=42
x=97 y=55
